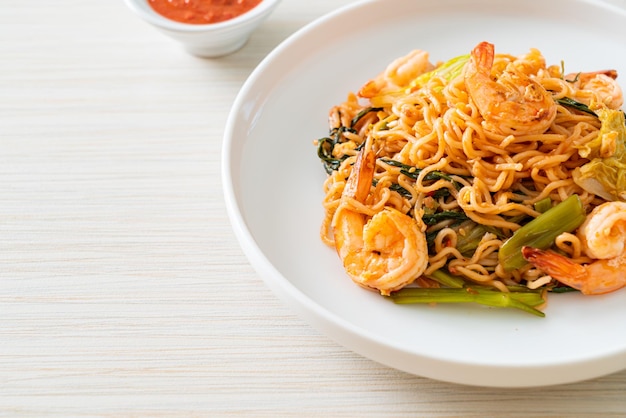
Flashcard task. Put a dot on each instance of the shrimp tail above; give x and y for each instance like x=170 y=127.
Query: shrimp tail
x=360 y=180
x=483 y=54
x=560 y=268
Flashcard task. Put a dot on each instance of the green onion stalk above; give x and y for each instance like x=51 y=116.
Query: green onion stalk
x=542 y=231
x=524 y=300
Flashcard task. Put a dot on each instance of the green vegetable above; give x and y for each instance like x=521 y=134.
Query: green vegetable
x=605 y=174
x=412 y=172
x=469 y=240
x=448 y=70
x=523 y=300
x=433 y=218
x=443 y=192
x=542 y=231
x=543 y=205
x=567 y=102
x=325 y=148
x=445 y=278
x=326 y=145
x=397 y=188
x=361 y=114
x=563 y=289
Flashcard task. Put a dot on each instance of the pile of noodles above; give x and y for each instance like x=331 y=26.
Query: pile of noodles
x=491 y=180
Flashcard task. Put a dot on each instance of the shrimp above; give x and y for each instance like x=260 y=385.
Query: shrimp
x=398 y=74
x=603 y=84
x=603 y=238
x=603 y=234
x=385 y=252
x=514 y=104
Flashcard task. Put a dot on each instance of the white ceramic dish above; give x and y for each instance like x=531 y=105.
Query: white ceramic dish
x=211 y=40
x=273 y=189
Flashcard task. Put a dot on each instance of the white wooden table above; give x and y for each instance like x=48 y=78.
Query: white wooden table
x=123 y=291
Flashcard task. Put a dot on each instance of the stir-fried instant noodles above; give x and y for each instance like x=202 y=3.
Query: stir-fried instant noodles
x=490 y=178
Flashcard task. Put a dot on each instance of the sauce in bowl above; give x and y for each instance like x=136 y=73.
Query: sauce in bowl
x=202 y=12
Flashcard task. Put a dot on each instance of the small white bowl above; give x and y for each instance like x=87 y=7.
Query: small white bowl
x=210 y=40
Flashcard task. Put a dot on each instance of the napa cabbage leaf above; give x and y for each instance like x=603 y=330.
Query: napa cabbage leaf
x=605 y=174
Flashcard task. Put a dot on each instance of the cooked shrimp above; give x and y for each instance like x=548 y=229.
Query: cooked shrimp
x=602 y=84
x=385 y=252
x=513 y=104
x=603 y=238
x=398 y=74
x=603 y=234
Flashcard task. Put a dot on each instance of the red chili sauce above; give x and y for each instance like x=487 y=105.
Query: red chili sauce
x=201 y=12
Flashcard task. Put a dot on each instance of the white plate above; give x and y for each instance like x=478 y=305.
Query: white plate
x=273 y=189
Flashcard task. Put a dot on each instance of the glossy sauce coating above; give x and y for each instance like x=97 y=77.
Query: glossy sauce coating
x=202 y=11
